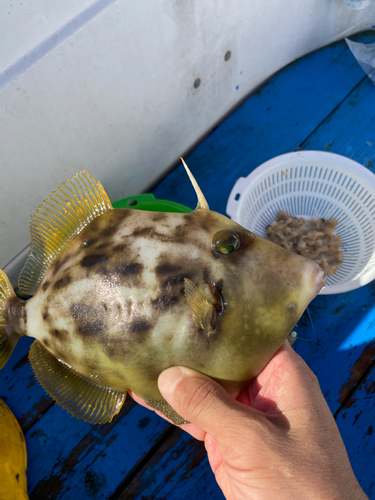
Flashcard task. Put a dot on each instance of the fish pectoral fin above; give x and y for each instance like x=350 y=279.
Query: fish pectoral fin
x=77 y=394
x=204 y=313
x=61 y=216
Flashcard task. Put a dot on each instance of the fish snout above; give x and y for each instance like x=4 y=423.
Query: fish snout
x=313 y=278
x=318 y=277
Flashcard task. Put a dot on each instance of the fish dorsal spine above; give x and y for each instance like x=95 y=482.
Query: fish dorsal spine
x=202 y=202
x=61 y=216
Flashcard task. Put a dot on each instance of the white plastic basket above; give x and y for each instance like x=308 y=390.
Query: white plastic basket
x=315 y=184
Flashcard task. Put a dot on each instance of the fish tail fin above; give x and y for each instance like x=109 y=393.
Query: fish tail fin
x=7 y=343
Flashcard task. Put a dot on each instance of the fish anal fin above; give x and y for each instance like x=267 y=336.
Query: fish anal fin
x=203 y=311
x=61 y=216
x=167 y=410
x=80 y=396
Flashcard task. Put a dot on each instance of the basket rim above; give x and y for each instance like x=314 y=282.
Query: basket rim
x=243 y=183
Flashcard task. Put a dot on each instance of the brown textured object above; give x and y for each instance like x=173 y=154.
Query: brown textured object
x=313 y=238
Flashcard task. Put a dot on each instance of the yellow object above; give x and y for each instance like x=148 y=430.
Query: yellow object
x=13 y=459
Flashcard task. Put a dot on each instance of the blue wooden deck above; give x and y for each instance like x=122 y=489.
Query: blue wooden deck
x=323 y=102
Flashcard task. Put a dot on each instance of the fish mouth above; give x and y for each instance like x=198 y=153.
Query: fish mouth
x=318 y=277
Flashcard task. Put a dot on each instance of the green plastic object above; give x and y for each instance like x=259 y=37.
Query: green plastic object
x=150 y=203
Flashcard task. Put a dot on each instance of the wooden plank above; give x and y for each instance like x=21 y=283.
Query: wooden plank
x=179 y=471
x=69 y=458
x=350 y=129
x=357 y=426
x=344 y=324
x=20 y=389
x=337 y=341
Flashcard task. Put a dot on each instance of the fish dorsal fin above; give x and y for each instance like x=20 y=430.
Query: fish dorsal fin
x=202 y=203
x=60 y=217
x=80 y=396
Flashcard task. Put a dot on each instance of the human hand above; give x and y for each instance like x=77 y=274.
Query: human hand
x=278 y=440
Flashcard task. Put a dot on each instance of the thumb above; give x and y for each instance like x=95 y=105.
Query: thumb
x=203 y=402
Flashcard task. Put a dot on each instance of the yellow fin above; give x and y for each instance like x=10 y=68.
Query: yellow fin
x=7 y=343
x=203 y=312
x=61 y=216
x=202 y=203
x=80 y=396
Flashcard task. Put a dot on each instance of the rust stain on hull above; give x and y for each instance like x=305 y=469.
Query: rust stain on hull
x=357 y=370
x=38 y=409
x=370 y=389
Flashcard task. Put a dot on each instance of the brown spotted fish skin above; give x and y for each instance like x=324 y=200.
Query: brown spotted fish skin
x=132 y=293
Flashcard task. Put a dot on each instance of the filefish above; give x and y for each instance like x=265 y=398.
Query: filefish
x=119 y=295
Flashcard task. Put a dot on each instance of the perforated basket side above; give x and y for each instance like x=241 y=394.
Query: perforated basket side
x=307 y=186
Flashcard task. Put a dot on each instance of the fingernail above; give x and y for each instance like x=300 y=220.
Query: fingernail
x=168 y=379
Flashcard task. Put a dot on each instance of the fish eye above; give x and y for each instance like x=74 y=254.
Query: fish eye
x=225 y=241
